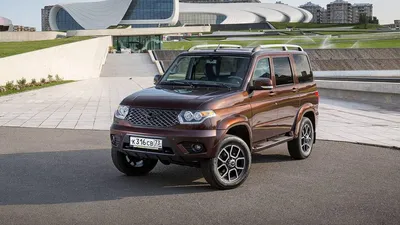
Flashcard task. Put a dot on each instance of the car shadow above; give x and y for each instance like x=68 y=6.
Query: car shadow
x=84 y=176
x=89 y=175
x=269 y=158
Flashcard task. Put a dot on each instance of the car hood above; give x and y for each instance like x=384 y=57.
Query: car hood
x=177 y=98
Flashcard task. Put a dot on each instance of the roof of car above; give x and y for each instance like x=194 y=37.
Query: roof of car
x=241 y=52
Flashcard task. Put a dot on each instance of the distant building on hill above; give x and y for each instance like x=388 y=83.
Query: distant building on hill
x=45 y=18
x=339 y=11
x=19 y=28
x=362 y=8
x=318 y=12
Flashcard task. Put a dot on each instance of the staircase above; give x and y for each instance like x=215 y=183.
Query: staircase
x=129 y=65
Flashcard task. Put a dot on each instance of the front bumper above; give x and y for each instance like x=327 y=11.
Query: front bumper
x=176 y=143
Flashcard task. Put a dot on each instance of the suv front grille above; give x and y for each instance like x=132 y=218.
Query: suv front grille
x=153 y=117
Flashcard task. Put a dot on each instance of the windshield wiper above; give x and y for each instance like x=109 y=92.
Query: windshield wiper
x=213 y=85
x=177 y=82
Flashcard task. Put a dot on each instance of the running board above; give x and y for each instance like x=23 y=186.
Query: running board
x=271 y=143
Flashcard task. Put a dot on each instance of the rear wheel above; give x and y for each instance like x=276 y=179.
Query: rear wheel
x=301 y=147
x=230 y=167
x=132 y=166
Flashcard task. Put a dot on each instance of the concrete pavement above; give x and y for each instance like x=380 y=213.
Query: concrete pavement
x=57 y=176
x=90 y=104
x=87 y=104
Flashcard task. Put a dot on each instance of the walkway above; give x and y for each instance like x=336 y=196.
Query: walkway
x=90 y=104
x=124 y=65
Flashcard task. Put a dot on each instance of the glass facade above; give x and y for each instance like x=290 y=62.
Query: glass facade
x=144 y=25
x=136 y=44
x=149 y=10
x=66 y=22
x=201 y=18
x=4 y=28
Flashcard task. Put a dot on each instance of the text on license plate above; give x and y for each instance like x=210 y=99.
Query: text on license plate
x=146 y=143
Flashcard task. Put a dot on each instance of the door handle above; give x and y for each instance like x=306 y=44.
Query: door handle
x=272 y=93
x=295 y=89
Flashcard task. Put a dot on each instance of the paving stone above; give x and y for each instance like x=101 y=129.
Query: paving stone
x=90 y=104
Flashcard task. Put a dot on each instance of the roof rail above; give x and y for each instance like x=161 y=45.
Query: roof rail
x=284 y=47
x=215 y=46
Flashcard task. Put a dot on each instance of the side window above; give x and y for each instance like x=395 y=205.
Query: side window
x=283 y=71
x=303 y=69
x=262 y=69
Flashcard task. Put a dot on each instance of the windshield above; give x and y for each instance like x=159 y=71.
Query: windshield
x=221 y=71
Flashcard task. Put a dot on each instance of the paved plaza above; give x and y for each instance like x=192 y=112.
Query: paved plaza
x=90 y=104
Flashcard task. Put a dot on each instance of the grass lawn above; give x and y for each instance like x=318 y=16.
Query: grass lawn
x=306 y=43
x=336 y=33
x=15 y=48
x=35 y=87
x=204 y=38
x=321 y=25
x=367 y=26
x=278 y=25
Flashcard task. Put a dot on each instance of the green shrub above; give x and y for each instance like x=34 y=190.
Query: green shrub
x=21 y=83
x=43 y=81
x=9 y=85
x=2 y=89
x=50 y=78
x=33 y=81
x=58 y=78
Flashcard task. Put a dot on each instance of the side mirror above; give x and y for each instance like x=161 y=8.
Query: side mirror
x=157 y=78
x=263 y=84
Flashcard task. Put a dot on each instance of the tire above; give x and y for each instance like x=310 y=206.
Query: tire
x=301 y=147
x=132 y=166
x=237 y=156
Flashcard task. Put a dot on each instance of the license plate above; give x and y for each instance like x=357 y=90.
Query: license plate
x=146 y=143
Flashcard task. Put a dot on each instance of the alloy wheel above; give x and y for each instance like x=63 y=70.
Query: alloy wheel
x=134 y=162
x=231 y=163
x=306 y=139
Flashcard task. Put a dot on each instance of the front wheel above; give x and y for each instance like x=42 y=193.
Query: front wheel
x=301 y=147
x=231 y=166
x=132 y=166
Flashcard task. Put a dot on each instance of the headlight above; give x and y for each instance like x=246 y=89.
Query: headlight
x=122 y=112
x=195 y=117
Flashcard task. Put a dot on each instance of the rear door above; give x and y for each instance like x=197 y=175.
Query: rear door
x=264 y=109
x=286 y=92
x=306 y=86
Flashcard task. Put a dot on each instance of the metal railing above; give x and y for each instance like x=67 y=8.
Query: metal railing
x=284 y=47
x=214 y=46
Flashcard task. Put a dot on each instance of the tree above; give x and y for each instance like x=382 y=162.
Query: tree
x=374 y=20
x=363 y=18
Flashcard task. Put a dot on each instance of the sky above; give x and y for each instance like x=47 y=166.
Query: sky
x=27 y=12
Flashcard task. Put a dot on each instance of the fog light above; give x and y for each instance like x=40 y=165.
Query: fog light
x=197 y=148
x=115 y=140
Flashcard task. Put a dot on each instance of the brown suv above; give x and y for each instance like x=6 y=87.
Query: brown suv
x=214 y=107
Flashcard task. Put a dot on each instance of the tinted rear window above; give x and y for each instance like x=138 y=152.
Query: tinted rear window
x=283 y=71
x=303 y=69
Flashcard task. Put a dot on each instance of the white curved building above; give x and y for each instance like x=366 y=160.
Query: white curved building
x=154 y=13
x=236 y=13
x=5 y=24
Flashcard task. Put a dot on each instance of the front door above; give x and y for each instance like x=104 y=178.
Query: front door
x=263 y=104
x=286 y=90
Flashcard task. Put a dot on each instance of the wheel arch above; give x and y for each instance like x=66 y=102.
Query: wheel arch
x=307 y=110
x=239 y=126
x=242 y=131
